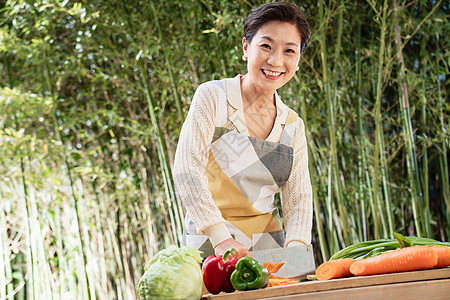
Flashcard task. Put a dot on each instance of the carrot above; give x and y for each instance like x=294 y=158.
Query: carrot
x=443 y=253
x=401 y=260
x=334 y=269
x=272 y=267
x=276 y=280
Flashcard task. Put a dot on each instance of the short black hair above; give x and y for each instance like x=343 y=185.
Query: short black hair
x=277 y=11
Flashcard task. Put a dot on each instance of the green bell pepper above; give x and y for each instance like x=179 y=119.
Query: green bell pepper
x=249 y=275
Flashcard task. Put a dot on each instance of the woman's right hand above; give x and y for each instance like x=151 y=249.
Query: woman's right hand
x=241 y=250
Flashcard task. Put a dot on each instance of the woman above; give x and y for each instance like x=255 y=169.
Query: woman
x=240 y=144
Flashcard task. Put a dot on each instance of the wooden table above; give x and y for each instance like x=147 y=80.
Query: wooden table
x=427 y=284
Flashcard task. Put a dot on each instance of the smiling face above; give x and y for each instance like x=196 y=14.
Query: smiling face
x=273 y=55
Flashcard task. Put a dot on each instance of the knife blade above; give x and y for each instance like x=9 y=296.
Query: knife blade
x=298 y=260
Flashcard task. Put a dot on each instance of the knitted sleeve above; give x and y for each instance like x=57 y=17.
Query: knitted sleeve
x=297 y=194
x=191 y=157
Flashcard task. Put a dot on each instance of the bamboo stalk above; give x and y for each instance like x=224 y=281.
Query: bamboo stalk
x=150 y=237
x=331 y=117
x=387 y=231
x=62 y=261
x=118 y=247
x=111 y=259
x=35 y=279
x=6 y=277
x=29 y=283
x=114 y=238
x=362 y=142
x=122 y=226
x=378 y=127
x=426 y=195
x=45 y=280
x=42 y=281
x=101 y=247
x=413 y=172
x=19 y=292
x=332 y=230
x=159 y=203
x=336 y=165
x=317 y=210
x=137 y=250
x=443 y=154
x=369 y=181
x=172 y=204
x=125 y=254
x=5 y=266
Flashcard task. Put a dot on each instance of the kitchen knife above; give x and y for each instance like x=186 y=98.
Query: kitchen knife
x=298 y=260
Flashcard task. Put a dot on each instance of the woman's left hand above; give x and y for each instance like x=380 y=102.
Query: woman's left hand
x=241 y=250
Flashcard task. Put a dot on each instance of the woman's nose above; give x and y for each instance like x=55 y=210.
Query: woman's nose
x=275 y=59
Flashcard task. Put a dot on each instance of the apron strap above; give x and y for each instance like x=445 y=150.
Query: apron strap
x=289 y=128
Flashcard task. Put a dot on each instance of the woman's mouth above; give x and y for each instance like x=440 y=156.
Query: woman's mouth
x=271 y=74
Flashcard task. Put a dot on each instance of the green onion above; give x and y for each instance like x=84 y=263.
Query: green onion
x=376 y=247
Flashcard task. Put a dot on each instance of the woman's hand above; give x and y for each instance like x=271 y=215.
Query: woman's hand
x=241 y=250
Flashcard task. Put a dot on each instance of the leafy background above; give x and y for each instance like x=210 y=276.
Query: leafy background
x=93 y=95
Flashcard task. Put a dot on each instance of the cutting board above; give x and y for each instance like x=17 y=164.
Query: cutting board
x=428 y=284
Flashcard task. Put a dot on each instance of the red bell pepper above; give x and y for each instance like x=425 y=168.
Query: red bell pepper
x=217 y=272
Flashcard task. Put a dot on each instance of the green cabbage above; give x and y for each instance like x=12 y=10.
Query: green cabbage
x=173 y=273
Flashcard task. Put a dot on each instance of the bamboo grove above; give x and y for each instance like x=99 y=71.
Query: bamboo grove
x=93 y=95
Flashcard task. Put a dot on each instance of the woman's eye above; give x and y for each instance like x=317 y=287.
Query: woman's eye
x=290 y=51
x=265 y=46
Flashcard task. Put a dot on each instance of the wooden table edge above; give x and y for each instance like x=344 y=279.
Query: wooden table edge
x=335 y=284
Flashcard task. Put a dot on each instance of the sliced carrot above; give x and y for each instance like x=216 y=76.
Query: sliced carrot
x=400 y=260
x=280 y=282
x=277 y=280
x=443 y=253
x=269 y=266
x=272 y=267
x=334 y=269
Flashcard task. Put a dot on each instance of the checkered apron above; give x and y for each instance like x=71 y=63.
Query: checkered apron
x=244 y=174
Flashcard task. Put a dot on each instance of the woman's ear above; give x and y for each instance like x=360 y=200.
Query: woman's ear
x=299 y=57
x=244 y=48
